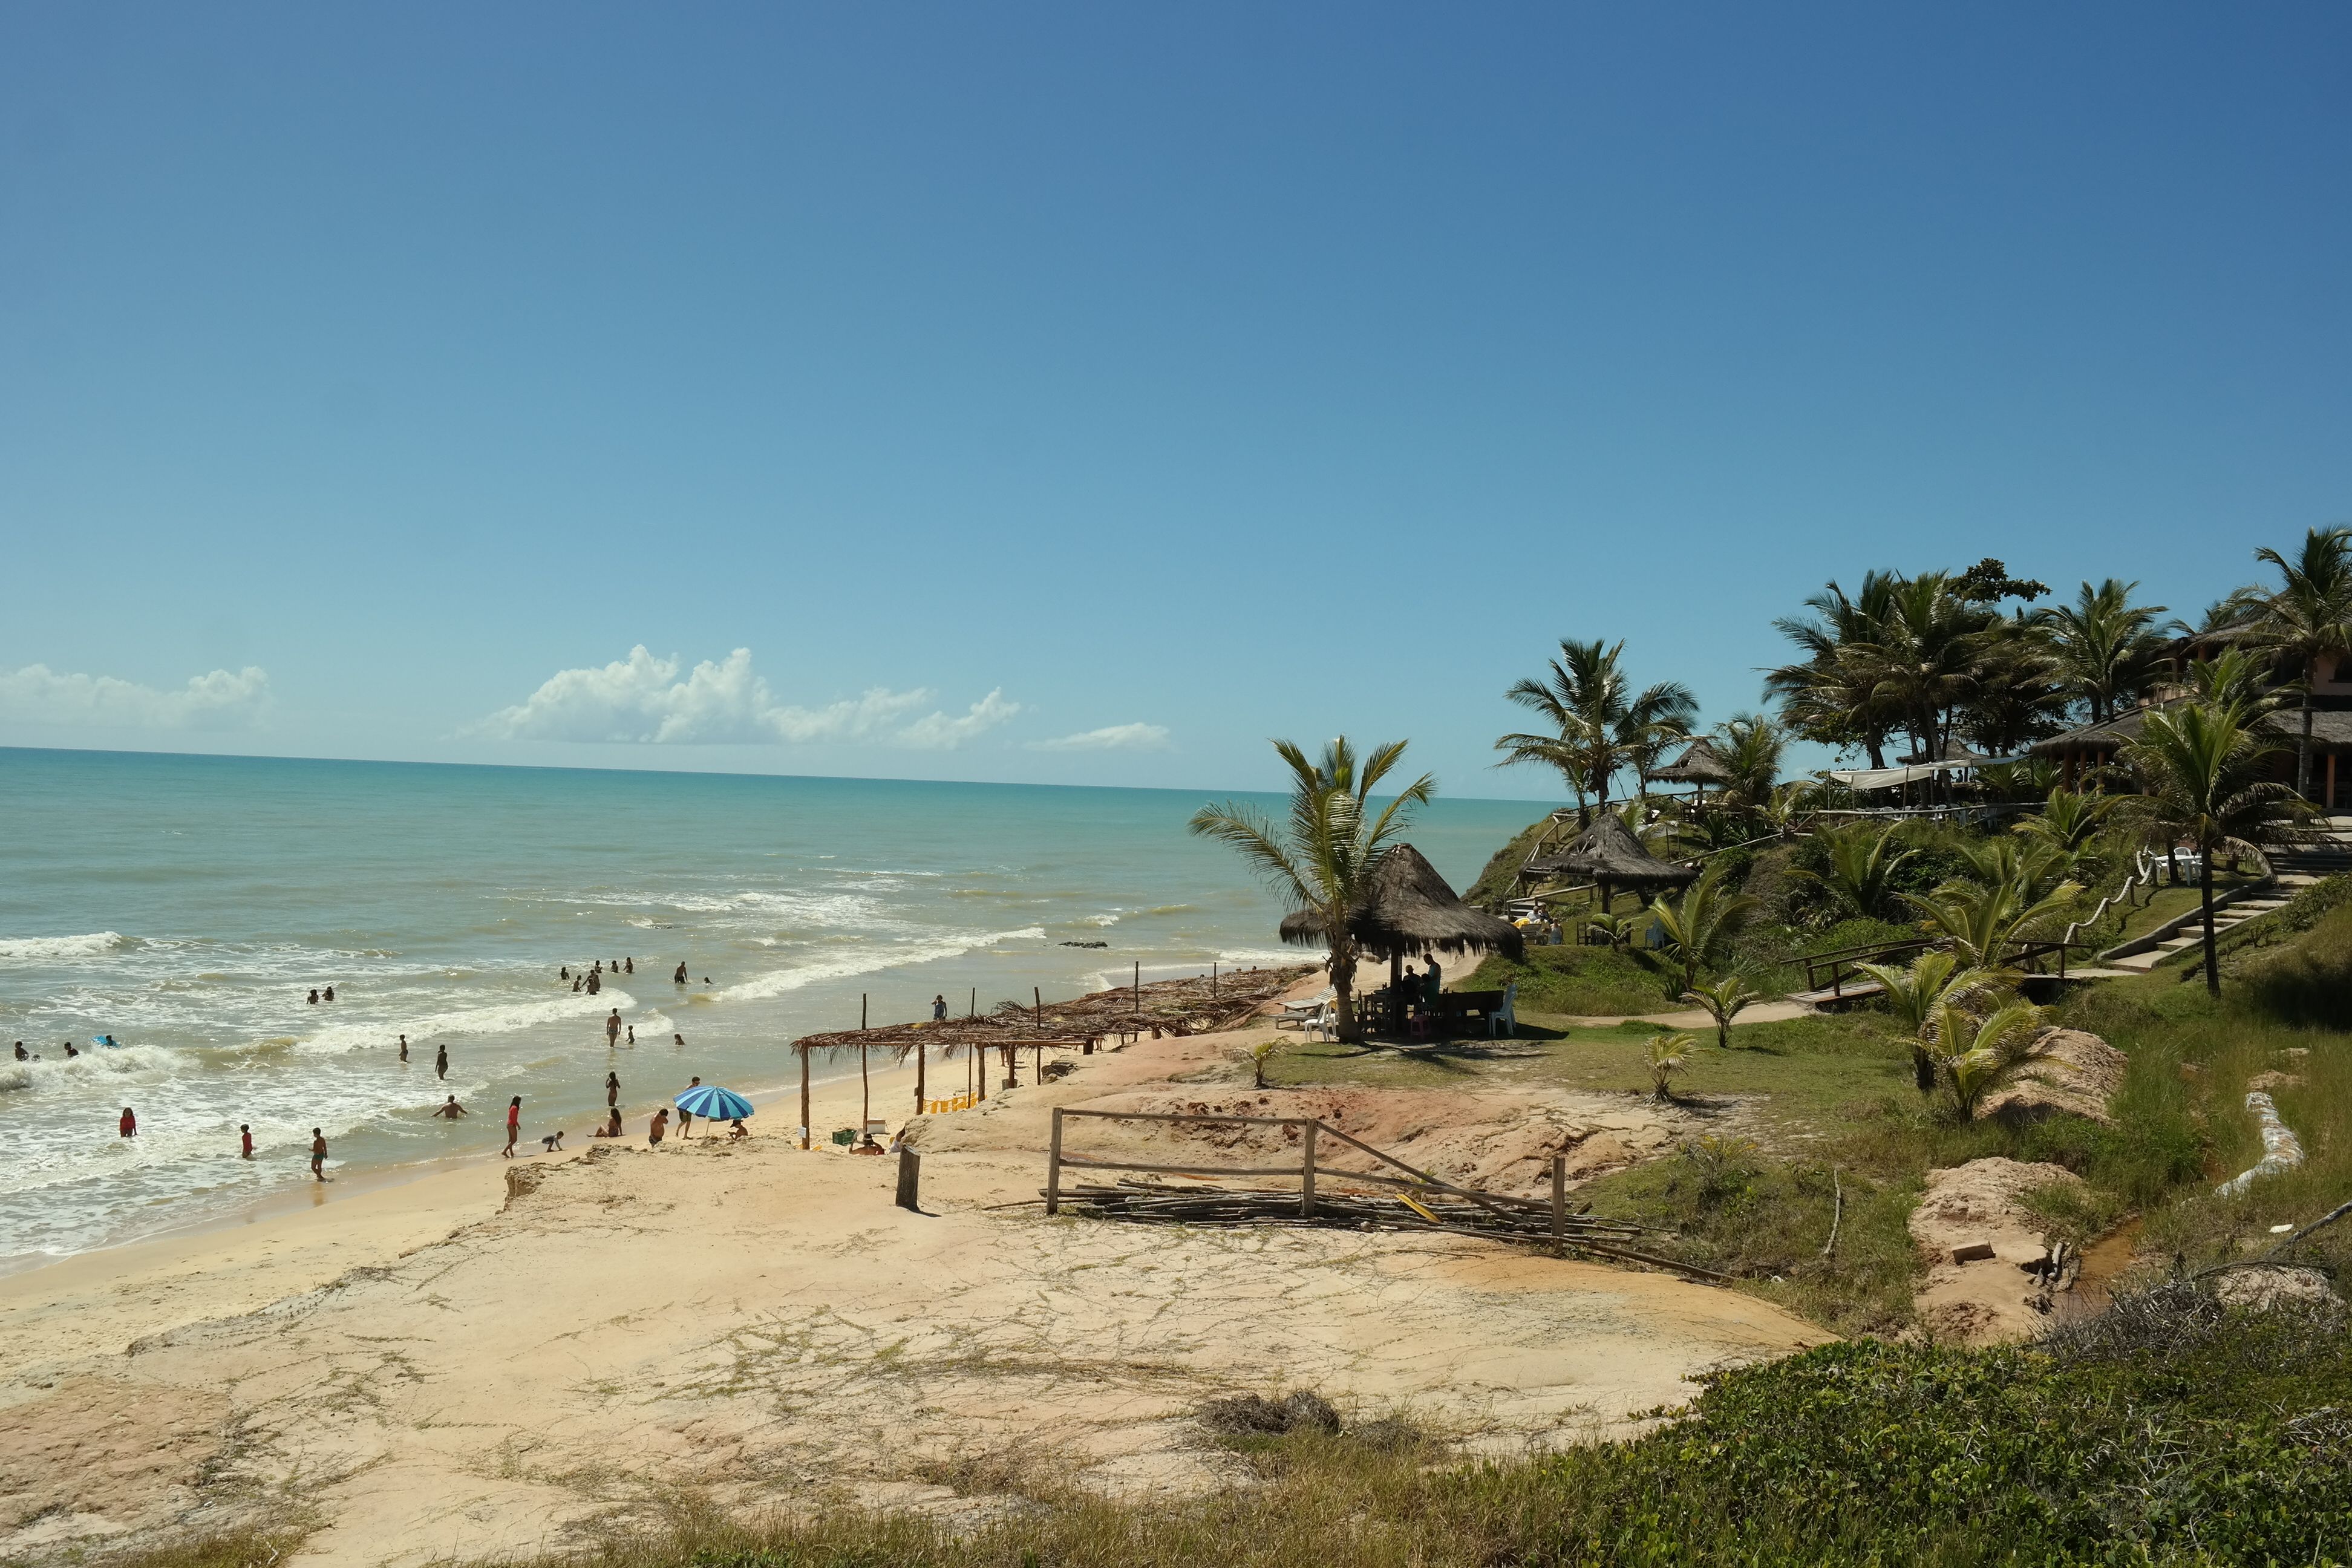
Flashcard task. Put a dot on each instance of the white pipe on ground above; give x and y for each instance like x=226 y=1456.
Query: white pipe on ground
x=2280 y=1150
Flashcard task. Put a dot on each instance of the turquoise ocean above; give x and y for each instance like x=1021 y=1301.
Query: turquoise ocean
x=186 y=906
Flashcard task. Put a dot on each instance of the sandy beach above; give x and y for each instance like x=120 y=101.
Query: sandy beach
x=502 y=1358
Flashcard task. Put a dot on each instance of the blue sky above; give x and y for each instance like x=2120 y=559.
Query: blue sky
x=1085 y=394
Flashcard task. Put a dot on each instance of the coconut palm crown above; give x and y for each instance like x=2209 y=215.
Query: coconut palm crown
x=1322 y=860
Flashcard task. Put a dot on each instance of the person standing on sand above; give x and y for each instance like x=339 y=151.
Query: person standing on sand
x=514 y=1126
x=130 y=1123
x=245 y=1140
x=685 y=1117
x=611 y=1088
x=612 y=1030
x=318 y=1155
x=441 y=1061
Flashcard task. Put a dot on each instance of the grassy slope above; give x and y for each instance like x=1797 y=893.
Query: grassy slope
x=1500 y=879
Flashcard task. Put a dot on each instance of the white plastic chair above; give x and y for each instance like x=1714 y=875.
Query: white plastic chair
x=1324 y=1022
x=1505 y=1016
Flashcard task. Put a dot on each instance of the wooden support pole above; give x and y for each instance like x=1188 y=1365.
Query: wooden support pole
x=1054 y=1167
x=1307 y=1174
x=861 y=1009
x=1560 y=1205
x=865 y=1095
x=920 y=1054
x=974 y=1011
x=805 y=1128
x=910 y=1177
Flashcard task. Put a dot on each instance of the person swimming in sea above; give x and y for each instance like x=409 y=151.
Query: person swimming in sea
x=129 y=1124
x=70 y=1052
x=404 y=1048
x=22 y=1053
x=245 y=1140
x=441 y=1061
x=449 y=1109
x=629 y=964
x=314 y=995
x=330 y=993
x=565 y=972
x=632 y=1034
x=679 y=978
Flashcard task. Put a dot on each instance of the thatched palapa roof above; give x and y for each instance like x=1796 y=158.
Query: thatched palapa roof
x=1701 y=764
x=1607 y=852
x=1410 y=910
x=1191 y=1004
x=945 y=1036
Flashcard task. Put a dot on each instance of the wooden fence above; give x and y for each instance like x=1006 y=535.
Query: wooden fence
x=1508 y=1218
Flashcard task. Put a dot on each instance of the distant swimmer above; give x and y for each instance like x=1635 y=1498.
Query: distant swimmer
x=22 y=1053
x=575 y=986
x=660 y=1125
x=449 y=1109
x=514 y=1125
x=314 y=994
x=330 y=993
x=679 y=978
x=245 y=1140
x=629 y=964
x=595 y=983
x=632 y=1034
x=565 y=972
x=130 y=1123
x=70 y=1049
x=679 y=1041
x=613 y=1029
x=938 y=1009
x=705 y=980
x=318 y=1153
x=441 y=1061
x=599 y=969
x=404 y=1048
x=611 y=1088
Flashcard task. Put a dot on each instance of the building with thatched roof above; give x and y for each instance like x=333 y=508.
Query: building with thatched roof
x=1608 y=855
x=1700 y=765
x=2093 y=746
x=1408 y=911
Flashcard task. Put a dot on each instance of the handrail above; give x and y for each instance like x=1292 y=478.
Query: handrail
x=2145 y=863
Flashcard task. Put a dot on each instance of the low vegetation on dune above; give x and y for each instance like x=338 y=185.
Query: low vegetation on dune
x=2169 y=1430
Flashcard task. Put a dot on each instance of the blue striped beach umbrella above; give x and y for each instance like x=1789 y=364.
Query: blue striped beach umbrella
x=713 y=1103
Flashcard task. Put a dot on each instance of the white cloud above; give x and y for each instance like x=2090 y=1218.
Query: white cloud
x=1109 y=738
x=219 y=700
x=642 y=700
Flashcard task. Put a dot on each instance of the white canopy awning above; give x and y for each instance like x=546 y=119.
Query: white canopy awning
x=1888 y=778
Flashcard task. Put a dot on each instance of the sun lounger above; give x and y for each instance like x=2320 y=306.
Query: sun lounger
x=1294 y=1015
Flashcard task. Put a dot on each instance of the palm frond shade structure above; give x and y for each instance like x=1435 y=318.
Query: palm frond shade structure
x=1701 y=764
x=1608 y=854
x=1192 y=1005
x=1409 y=910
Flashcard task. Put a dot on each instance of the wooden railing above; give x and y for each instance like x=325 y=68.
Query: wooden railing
x=1844 y=963
x=1563 y=1231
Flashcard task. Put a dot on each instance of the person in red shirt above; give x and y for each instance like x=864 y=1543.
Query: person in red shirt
x=130 y=1123
x=514 y=1125
x=245 y=1138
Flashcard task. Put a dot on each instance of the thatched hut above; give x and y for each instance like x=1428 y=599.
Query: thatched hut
x=1410 y=912
x=1608 y=855
x=1700 y=766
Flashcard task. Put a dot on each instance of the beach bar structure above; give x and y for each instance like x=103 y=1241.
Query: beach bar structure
x=1608 y=855
x=1698 y=766
x=1410 y=912
x=2083 y=754
x=975 y=1036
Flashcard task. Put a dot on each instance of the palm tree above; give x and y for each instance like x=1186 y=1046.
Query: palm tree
x=1724 y=1000
x=1820 y=697
x=1917 y=994
x=1665 y=1056
x=1598 y=724
x=2104 y=646
x=2233 y=682
x=1695 y=923
x=2069 y=821
x=2307 y=619
x=1925 y=660
x=1322 y=862
x=2198 y=764
x=1862 y=863
x=1750 y=746
x=1981 y=922
x=1978 y=1055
